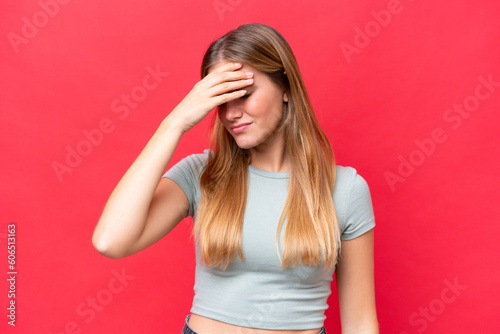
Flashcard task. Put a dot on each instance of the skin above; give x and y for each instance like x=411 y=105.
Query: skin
x=262 y=108
x=355 y=285
x=141 y=211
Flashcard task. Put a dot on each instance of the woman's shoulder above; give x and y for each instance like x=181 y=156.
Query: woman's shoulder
x=343 y=173
x=348 y=180
x=198 y=158
x=194 y=162
x=353 y=204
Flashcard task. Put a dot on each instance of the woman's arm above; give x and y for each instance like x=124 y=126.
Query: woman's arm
x=140 y=199
x=356 y=287
x=143 y=207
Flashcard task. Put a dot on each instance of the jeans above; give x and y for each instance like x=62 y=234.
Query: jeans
x=188 y=330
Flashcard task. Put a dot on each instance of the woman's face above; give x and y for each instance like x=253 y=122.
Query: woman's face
x=253 y=118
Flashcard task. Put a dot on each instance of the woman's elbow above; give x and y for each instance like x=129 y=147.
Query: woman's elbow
x=104 y=248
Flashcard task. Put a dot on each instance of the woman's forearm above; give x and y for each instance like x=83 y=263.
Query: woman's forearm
x=367 y=327
x=124 y=216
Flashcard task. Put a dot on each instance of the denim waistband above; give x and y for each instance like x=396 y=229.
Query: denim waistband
x=188 y=330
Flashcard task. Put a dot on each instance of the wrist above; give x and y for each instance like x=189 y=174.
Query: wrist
x=172 y=126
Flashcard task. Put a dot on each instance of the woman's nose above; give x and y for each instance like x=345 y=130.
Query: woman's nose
x=233 y=110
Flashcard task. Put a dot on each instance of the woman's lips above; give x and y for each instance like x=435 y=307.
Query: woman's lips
x=240 y=128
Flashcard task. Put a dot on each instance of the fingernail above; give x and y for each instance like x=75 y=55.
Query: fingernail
x=249 y=74
x=237 y=64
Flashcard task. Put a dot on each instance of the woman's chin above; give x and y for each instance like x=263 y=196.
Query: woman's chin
x=244 y=145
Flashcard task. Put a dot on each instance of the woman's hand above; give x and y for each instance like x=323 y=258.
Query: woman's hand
x=221 y=85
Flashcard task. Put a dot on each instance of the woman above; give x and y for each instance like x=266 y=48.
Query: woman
x=274 y=216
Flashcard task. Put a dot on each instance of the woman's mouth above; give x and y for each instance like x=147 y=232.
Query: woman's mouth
x=240 y=127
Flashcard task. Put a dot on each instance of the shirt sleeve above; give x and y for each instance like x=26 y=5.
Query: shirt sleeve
x=183 y=174
x=359 y=216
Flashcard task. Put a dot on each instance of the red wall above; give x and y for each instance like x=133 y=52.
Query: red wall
x=401 y=87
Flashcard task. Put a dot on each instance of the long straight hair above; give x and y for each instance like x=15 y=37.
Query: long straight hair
x=312 y=234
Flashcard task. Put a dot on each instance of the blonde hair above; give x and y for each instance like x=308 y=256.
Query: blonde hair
x=312 y=234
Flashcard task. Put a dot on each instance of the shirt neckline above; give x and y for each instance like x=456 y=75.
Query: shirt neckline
x=265 y=173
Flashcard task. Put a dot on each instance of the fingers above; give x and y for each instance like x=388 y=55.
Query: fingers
x=223 y=73
x=224 y=98
x=229 y=86
x=226 y=82
x=226 y=72
x=227 y=67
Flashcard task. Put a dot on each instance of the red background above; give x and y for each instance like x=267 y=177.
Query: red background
x=435 y=226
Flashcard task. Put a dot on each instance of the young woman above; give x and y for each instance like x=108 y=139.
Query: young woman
x=274 y=216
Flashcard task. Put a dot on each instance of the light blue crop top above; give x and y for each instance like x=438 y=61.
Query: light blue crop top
x=256 y=292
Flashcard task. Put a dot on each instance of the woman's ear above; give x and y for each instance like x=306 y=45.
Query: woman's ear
x=285 y=97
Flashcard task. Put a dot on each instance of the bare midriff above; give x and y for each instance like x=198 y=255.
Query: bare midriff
x=204 y=325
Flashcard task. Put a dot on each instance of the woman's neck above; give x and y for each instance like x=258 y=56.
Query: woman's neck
x=271 y=157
